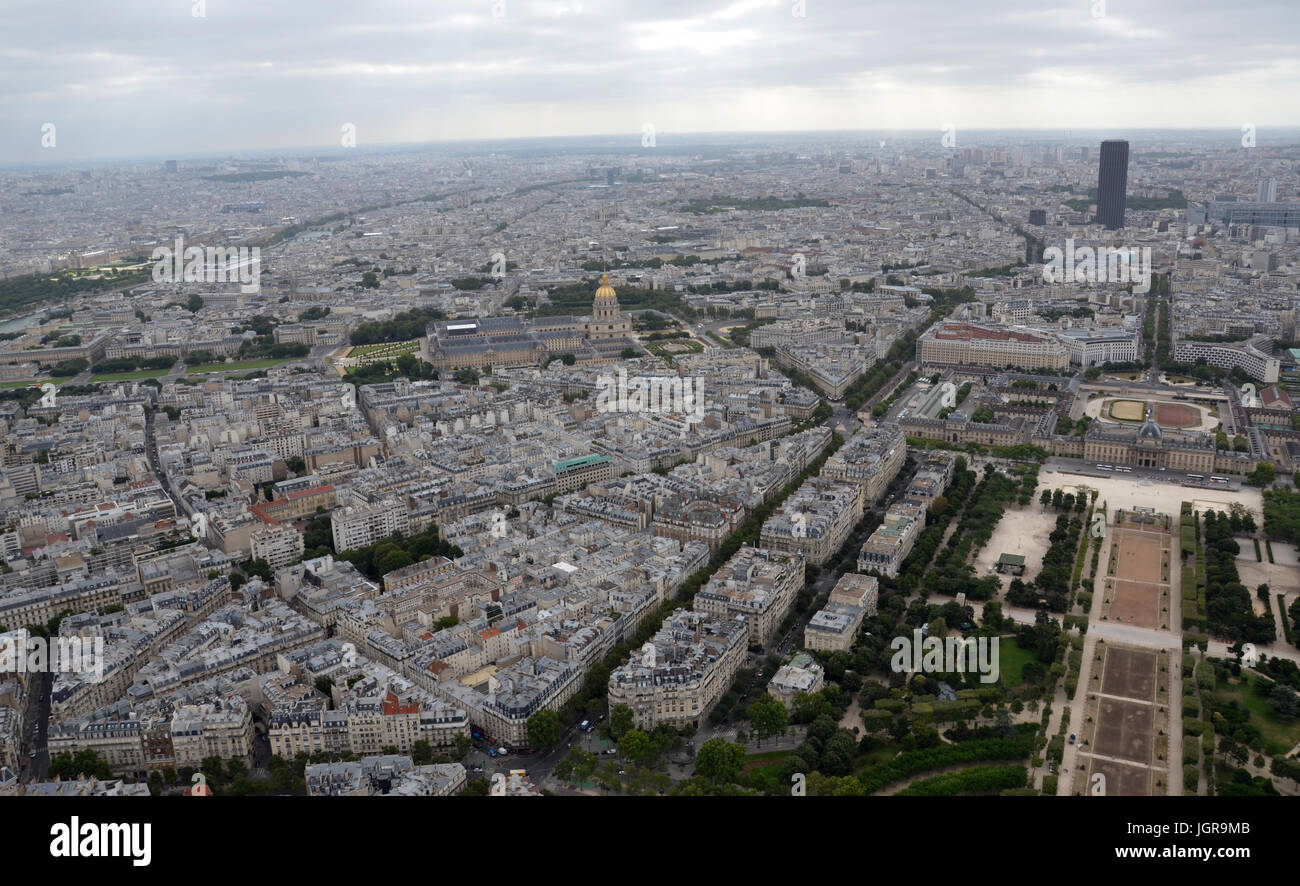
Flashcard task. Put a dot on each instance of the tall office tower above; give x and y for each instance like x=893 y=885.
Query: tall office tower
x=1038 y=217
x=1267 y=191
x=1112 y=179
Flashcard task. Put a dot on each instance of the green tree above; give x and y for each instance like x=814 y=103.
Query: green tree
x=543 y=729
x=768 y=717
x=69 y=765
x=421 y=752
x=393 y=560
x=719 y=760
x=620 y=720
x=1263 y=475
x=635 y=746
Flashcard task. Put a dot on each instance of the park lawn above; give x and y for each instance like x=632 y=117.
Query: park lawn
x=203 y=368
x=1127 y=410
x=129 y=376
x=1011 y=662
x=392 y=348
x=35 y=383
x=762 y=760
x=888 y=750
x=763 y=771
x=1279 y=737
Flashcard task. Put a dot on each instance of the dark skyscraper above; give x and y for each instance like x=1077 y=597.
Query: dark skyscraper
x=1112 y=179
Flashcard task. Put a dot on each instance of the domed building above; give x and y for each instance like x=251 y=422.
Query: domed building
x=607 y=320
x=602 y=337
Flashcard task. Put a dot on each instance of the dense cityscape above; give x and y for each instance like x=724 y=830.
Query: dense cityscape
x=942 y=462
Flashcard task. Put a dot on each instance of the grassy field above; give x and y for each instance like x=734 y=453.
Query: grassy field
x=129 y=376
x=688 y=346
x=36 y=383
x=1279 y=737
x=1011 y=662
x=763 y=771
x=389 y=350
x=1127 y=410
x=238 y=365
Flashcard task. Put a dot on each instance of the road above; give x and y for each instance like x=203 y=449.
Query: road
x=1177 y=478
x=36 y=735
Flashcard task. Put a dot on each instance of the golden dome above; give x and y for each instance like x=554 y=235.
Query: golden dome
x=605 y=290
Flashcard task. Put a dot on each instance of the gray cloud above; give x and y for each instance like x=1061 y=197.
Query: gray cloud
x=148 y=78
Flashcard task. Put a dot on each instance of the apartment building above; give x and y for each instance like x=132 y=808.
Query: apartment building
x=834 y=627
x=277 y=545
x=1093 y=347
x=681 y=672
x=892 y=541
x=361 y=525
x=221 y=728
x=870 y=458
x=801 y=675
x=757 y=584
x=500 y=699
x=969 y=344
x=576 y=473
x=816 y=519
x=1230 y=355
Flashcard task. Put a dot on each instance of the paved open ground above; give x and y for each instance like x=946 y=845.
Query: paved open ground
x=1138 y=592
x=1123 y=717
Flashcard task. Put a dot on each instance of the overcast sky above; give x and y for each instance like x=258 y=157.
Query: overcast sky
x=148 y=77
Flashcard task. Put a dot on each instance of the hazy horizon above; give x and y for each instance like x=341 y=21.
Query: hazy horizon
x=152 y=79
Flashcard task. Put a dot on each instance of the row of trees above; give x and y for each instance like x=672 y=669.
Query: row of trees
x=1227 y=601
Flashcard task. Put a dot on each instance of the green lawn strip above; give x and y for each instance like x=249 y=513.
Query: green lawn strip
x=911 y=763
x=129 y=376
x=1011 y=662
x=963 y=782
x=35 y=383
x=1278 y=737
x=204 y=368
